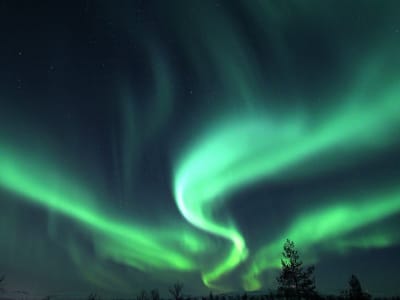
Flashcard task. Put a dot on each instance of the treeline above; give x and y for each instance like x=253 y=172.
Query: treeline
x=294 y=283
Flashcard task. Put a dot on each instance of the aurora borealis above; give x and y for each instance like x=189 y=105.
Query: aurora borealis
x=151 y=142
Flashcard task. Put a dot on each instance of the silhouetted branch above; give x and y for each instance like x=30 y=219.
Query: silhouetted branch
x=176 y=291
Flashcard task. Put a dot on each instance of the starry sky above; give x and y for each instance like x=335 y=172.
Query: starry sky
x=148 y=142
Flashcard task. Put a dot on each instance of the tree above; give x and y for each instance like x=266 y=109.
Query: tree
x=355 y=287
x=155 y=295
x=355 y=291
x=294 y=281
x=176 y=291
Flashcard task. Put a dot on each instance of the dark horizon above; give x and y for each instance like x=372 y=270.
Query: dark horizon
x=148 y=142
x=291 y=260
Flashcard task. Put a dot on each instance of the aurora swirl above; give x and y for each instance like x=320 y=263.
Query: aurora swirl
x=187 y=140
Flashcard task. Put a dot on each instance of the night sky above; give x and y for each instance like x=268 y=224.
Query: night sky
x=148 y=142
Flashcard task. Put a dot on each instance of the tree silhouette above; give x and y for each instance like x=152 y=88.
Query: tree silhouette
x=355 y=287
x=155 y=295
x=355 y=291
x=294 y=282
x=176 y=291
x=211 y=296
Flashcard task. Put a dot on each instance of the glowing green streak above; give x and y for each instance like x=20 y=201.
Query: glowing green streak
x=242 y=150
x=327 y=224
x=374 y=240
x=138 y=247
x=198 y=219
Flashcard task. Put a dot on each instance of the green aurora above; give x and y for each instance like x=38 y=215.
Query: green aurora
x=260 y=125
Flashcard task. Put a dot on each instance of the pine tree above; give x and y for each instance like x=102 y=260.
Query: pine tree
x=293 y=281
x=355 y=292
